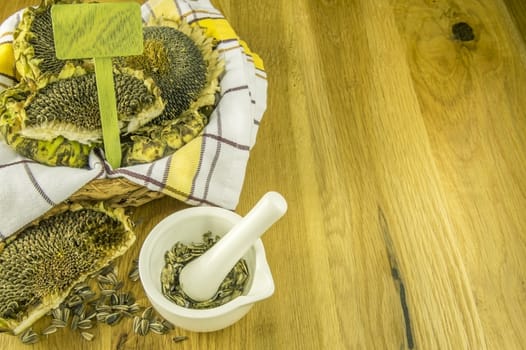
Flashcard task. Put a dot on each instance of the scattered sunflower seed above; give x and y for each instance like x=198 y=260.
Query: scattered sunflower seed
x=158 y=328
x=179 y=338
x=112 y=277
x=58 y=323
x=134 y=308
x=103 y=308
x=136 y=324
x=91 y=315
x=74 y=322
x=65 y=315
x=49 y=330
x=80 y=310
x=84 y=307
x=107 y=291
x=88 y=336
x=114 y=299
x=102 y=278
x=120 y=307
x=57 y=313
x=85 y=324
x=107 y=269
x=113 y=319
x=148 y=313
x=29 y=337
x=133 y=275
x=144 y=327
x=118 y=285
x=101 y=316
x=74 y=301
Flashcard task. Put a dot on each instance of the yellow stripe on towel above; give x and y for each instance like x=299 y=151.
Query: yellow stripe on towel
x=218 y=28
x=258 y=62
x=7 y=60
x=183 y=168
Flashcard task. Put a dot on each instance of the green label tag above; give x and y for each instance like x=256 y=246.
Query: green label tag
x=100 y=31
x=97 y=30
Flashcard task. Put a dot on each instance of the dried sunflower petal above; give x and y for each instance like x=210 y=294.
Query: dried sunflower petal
x=41 y=264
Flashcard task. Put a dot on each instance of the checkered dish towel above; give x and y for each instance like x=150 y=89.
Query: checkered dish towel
x=209 y=170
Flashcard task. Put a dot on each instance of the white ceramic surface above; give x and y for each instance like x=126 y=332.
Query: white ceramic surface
x=200 y=279
x=188 y=226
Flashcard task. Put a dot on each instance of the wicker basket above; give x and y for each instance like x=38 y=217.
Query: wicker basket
x=118 y=192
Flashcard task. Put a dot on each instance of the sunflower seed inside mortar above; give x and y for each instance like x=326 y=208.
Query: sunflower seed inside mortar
x=181 y=254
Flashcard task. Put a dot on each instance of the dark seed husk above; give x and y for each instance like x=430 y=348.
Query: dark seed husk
x=179 y=338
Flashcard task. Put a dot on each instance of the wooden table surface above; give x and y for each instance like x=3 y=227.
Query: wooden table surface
x=401 y=149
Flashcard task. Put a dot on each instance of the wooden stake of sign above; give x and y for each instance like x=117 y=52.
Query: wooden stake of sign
x=100 y=31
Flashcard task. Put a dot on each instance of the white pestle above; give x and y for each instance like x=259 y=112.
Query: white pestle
x=200 y=279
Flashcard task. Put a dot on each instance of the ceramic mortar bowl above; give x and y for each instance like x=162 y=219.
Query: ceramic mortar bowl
x=187 y=226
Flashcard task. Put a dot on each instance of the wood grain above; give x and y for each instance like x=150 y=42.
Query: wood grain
x=401 y=150
x=517 y=10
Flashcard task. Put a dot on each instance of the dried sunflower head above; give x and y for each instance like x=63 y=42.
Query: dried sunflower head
x=176 y=64
x=70 y=107
x=183 y=62
x=41 y=263
x=59 y=124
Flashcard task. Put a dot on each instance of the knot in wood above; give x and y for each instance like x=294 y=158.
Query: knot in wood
x=462 y=31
